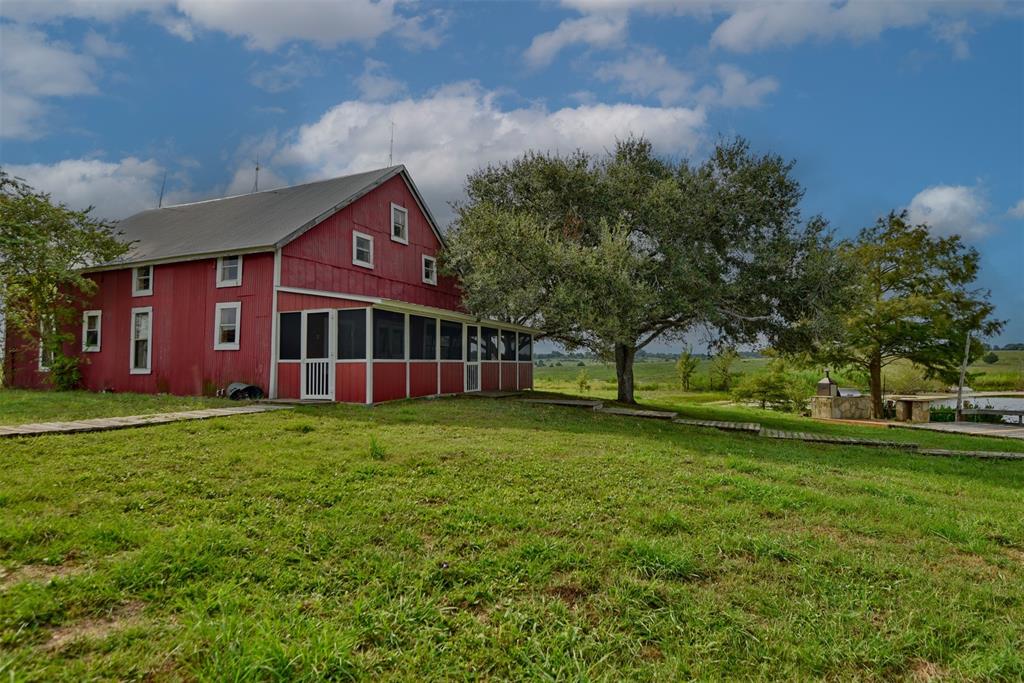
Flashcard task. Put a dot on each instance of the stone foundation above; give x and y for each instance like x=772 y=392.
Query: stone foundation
x=841 y=407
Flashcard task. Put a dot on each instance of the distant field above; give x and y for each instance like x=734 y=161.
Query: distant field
x=1007 y=374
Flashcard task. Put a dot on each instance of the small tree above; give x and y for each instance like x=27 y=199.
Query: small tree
x=909 y=297
x=583 y=381
x=990 y=358
x=775 y=388
x=43 y=247
x=721 y=368
x=686 y=368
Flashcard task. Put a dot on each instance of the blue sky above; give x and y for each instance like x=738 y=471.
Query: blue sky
x=883 y=105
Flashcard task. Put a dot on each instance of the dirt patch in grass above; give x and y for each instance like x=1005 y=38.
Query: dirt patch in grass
x=121 y=617
x=924 y=672
x=36 y=573
x=569 y=593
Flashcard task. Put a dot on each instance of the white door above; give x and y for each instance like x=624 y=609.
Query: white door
x=317 y=356
x=472 y=358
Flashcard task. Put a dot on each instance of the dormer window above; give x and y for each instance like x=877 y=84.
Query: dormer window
x=399 y=224
x=429 y=270
x=142 y=281
x=229 y=271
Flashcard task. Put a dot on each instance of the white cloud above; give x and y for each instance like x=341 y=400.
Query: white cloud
x=263 y=25
x=34 y=68
x=1017 y=210
x=595 y=30
x=375 y=84
x=647 y=73
x=117 y=189
x=98 y=46
x=444 y=136
x=736 y=89
x=751 y=26
x=950 y=210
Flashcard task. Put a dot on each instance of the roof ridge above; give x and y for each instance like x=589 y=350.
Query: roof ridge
x=278 y=189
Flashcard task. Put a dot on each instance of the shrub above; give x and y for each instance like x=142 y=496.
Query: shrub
x=776 y=388
x=65 y=372
x=990 y=358
x=583 y=380
x=910 y=379
x=720 y=374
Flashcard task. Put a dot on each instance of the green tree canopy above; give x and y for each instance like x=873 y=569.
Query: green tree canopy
x=611 y=252
x=43 y=247
x=910 y=297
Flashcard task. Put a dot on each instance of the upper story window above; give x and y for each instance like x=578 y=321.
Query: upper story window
x=91 y=330
x=229 y=271
x=362 y=250
x=227 y=319
x=142 y=281
x=429 y=270
x=399 y=224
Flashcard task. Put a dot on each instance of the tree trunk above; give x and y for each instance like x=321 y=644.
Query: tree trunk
x=624 y=372
x=875 y=370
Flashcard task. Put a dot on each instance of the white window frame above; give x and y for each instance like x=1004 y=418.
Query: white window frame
x=131 y=342
x=355 y=252
x=136 y=291
x=432 y=280
x=403 y=239
x=220 y=265
x=85 y=330
x=218 y=309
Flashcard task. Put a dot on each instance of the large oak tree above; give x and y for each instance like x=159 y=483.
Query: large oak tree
x=614 y=251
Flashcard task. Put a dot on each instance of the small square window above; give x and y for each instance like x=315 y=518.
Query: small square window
x=91 y=331
x=399 y=224
x=142 y=281
x=226 y=324
x=362 y=250
x=229 y=271
x=430 y=270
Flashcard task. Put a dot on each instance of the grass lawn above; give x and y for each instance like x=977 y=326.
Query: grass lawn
x=495 y=539
x=20 y=406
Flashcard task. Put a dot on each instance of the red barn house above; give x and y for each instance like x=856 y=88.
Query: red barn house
x=327 y=290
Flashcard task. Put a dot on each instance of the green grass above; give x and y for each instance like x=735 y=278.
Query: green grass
x=20 y=406
x=464 y=538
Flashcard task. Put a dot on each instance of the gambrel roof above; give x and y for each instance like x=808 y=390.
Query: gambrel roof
x=260 y=221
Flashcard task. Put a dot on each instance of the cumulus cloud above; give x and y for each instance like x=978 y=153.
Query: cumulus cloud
x=116 y=188
x=262 y=25
x=1017 y=210
x=444 y=136
x=751 y=26
x=34 y=68
x=951 y=210
x=596 y=31
x=647 y=73
x=376 y=84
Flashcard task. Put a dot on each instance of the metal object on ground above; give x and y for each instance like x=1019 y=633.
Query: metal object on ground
x=240 y=391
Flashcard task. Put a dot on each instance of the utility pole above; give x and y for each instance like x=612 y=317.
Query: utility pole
x=960 y=384
x=256 y=180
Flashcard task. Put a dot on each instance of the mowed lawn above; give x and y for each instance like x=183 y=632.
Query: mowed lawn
x=20 y=406
x=465 y=538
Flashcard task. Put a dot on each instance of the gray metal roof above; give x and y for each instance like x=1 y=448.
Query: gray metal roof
x=249 y=222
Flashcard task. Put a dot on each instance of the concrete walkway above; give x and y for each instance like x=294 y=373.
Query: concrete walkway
x=102 y=424
x=1004 y=430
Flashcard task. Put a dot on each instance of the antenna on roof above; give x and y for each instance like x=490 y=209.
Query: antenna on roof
x=391 y=149
x=256 y=180
x=163 y=184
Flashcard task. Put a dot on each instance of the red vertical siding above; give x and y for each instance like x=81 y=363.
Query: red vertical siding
x=388 y=381
x=526 y=375
x=490 y=375
x=350 y=382
x=509 y=380
x=183 y=302
x=289 y=380
x=453 y=376
x=422 y=379
x=321 y=259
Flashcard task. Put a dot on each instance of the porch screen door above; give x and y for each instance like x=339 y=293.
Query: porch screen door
x=317 y=370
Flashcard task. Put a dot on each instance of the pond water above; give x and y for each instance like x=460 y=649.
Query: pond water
x=997 y=402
